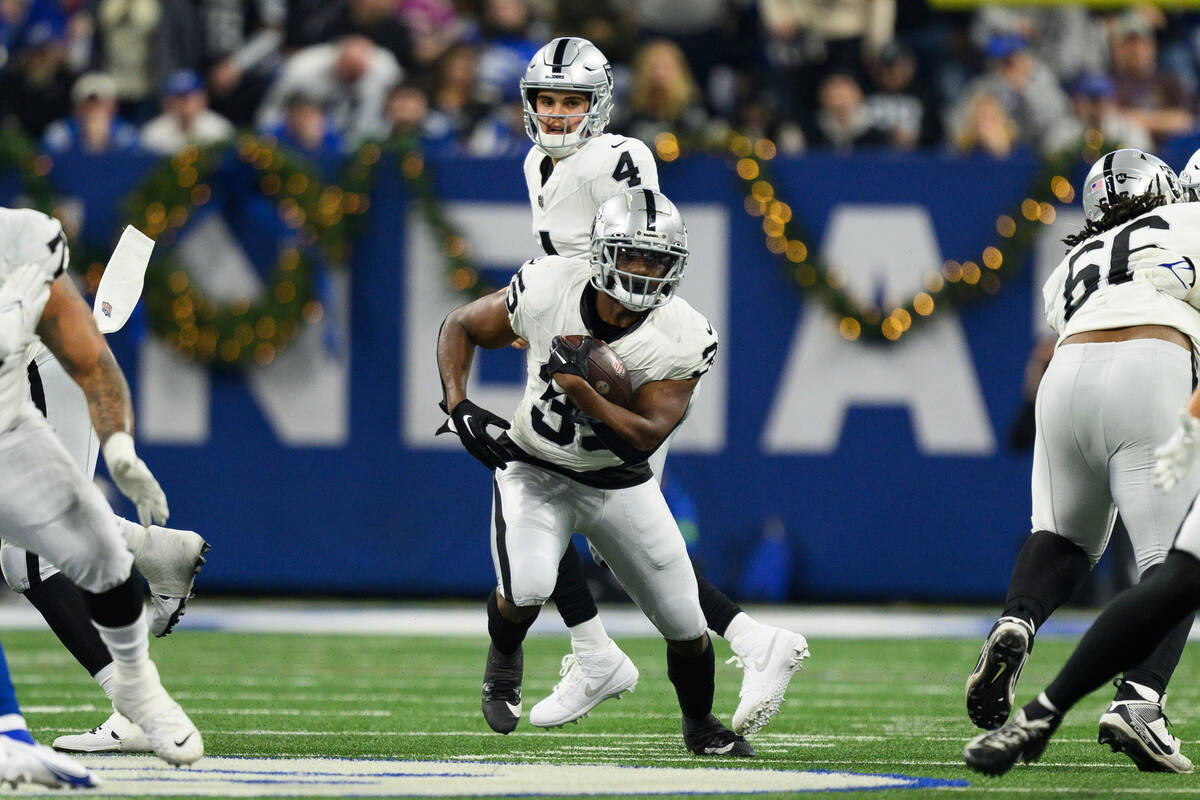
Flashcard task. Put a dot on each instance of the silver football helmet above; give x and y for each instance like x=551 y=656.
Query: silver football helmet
x=645 y=223
x=568 y=64
x=1189 y=179
x=1127 y=173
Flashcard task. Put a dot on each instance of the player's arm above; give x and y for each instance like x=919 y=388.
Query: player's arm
x=481 y=323
x=658 y=406
x=67 y=329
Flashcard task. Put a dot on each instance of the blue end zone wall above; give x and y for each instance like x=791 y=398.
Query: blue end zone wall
x=874 y=518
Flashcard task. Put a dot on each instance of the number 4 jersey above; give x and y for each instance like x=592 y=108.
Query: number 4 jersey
x=553 y=296
x=1142 y=272
x=565 y=195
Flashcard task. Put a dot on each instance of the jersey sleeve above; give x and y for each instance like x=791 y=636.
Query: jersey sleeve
x=42 y=241
x=533 y=289
x=695 y=354
x=627 y=166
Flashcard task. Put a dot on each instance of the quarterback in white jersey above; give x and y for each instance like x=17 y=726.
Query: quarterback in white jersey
x=47 y=505
x=573 y=461
x=572 y=169
x=1124 y=304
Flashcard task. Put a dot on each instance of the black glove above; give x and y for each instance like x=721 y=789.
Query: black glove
x=470 y=423
x=571 y=360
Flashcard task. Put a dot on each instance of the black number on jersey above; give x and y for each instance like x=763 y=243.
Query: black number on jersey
x=626 y=171
x=1118 y=263
x=561 y=405
x=515 y=287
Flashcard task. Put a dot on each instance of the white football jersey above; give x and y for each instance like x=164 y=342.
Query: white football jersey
x=546 y=298
x=566 y=195
x=1138 y=273
x=26 y=237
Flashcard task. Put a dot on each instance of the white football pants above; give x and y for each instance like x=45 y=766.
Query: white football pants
x=534 y=512
x=1102 y=409
x=67 y=412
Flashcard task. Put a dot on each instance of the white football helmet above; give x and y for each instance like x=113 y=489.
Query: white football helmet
x=645 y=221
x=1127 y=173
x=568 y=64
x=1189 y=179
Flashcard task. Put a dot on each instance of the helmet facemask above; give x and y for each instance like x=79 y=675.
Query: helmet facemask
x=641 y=289
x=560 y=145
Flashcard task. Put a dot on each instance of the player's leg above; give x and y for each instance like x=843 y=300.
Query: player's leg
x=634 y=531
x=531 y=525
x=1134 y=722
x=596 y=669
x=48 y=507
x=1072 y=518
x=168 y=558
x=61 y=603
x=21 y=758
x=1124 y=634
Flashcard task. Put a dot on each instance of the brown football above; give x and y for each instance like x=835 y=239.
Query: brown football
x=606 y=373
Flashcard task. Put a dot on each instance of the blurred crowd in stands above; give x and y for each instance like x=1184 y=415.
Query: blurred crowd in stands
x=323 y=76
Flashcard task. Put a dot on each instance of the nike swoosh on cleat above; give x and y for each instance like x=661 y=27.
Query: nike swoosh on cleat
x=183 y=741
x=514 y=710
x=761 y=665
x=720 y=751
x=589 y=691
x=1002 y=666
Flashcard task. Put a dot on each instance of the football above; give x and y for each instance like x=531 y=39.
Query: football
x=606 y=373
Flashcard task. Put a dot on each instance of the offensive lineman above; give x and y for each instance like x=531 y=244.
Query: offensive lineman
x=168 y=558
x=571 y=460
x=573 y=167
x=46 y=505
x=1124 y=305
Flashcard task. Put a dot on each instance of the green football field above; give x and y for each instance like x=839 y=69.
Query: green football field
x=870 y=707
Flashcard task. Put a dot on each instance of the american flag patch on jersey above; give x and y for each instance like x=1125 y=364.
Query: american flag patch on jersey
x=106 y=308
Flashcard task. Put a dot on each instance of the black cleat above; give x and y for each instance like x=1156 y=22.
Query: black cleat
x=708 y=737
x=1023 y=739
x=990 y=687
x=502 y=689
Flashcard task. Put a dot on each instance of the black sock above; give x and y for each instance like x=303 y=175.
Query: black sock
x=62 y=605
x=571 y=594
x=118 y=606
x=1129 y=629
x=1156 y=670
x=507 y=636
x=718 y=609
x=1049 y=570
x=695 y=681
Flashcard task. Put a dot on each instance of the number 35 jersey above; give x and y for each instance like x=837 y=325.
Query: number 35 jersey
x=1142 y=272
x=549 y=297
x=565 y=195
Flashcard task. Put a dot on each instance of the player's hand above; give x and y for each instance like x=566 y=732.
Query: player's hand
x=567 y=359
x=471 y=423
x=134 y=479
x=1174 y=459
x=520 y=344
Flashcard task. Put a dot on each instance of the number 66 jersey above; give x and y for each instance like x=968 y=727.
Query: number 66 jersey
x=1142 y=272
x=553 y=296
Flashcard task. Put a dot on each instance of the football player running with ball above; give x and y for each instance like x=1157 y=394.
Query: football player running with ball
x=572 y=169
x=1124 y=304
x=573 y=461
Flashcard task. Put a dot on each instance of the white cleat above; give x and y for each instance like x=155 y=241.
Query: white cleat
x=587 y=681
x=769 y=657
x=142 y=698
x=170 y=559
x=1135 y=725
x=36 y=763
x=116 y=734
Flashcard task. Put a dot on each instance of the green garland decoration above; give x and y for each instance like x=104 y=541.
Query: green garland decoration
x=240 y=332
x=955 y=284
x=18 y=154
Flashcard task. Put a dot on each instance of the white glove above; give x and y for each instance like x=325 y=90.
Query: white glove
x=22 y=298
x=1174 y=459
x=134 y=479
x=1172 y=275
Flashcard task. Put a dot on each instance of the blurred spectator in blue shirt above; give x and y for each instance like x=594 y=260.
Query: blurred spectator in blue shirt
x=94 y=126
x=1093 y=101
x=186 y=117
x=36 y=89
x=306 y=126
x=408 y=115
x=505 y=49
